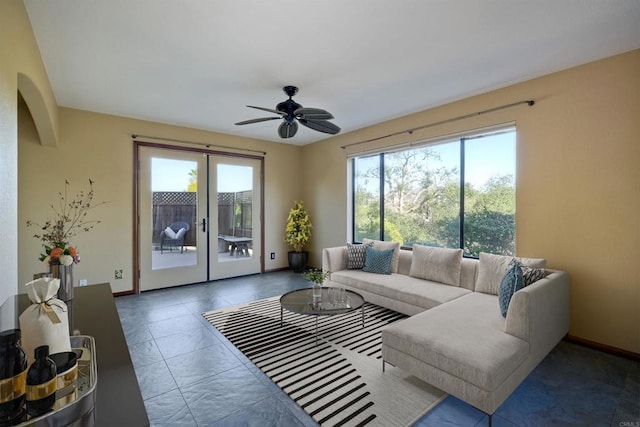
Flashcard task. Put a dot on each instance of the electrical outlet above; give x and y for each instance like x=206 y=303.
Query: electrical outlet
x=273 y=255
x=82 y=282
x=118 y=274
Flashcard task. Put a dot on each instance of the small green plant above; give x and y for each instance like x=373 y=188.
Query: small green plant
x=298 y=230
x=316 y=276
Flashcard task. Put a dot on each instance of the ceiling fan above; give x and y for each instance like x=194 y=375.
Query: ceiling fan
x=293 y=113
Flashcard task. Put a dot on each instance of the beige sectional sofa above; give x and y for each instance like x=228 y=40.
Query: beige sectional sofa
x=456 y=338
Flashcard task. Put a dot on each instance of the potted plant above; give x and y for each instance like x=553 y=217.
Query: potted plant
x=317 y=277
x=297 y=235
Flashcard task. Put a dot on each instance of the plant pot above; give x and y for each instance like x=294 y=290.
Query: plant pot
x=298 y=261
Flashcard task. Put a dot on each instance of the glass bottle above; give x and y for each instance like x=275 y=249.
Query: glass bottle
x=13 y=377
x=41 y=383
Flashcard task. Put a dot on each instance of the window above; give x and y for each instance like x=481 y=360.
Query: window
x=456 y=193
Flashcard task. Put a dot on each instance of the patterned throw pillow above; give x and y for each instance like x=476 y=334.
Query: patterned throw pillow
x=511 y=283
x=381 y=245
x=356 y=255
x=378 y=262
x=531 y=275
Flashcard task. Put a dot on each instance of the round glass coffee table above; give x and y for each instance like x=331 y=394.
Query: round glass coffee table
x=331 y=303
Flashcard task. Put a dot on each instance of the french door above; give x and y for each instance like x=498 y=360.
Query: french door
x=199 y=216
x=235 y=209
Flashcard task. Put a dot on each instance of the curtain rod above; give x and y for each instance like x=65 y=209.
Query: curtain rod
x=529 y=102
x=205 y=144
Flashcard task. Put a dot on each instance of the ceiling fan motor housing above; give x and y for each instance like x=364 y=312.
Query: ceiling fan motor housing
x=288 y=107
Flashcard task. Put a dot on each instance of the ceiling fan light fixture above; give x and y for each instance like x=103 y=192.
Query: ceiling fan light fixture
x=291 y=112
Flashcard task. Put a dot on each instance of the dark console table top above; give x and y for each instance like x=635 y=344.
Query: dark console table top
x=118 y=398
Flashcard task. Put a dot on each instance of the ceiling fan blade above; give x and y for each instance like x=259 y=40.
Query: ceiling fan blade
x=287 y=129
x=321 y=126
x=313 y=114
x=262 y=119
x=271 y=110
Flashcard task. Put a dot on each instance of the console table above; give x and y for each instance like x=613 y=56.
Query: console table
x=93 y=312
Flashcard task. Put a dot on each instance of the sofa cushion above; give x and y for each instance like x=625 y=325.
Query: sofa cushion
x=492 y=268
x=378 y=262
x=409 y=290
x=437 y=264
x=381 y=246
x=511 y=283
x=355 y=256
x=464 y=337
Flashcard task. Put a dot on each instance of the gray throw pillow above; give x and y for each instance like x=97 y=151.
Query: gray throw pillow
x=356 y=255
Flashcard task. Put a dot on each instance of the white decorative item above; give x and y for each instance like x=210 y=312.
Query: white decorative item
x=45 y=321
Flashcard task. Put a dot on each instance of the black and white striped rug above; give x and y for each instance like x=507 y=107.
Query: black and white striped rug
x=338 y=380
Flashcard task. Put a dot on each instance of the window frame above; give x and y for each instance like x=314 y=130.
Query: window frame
x=461 y=138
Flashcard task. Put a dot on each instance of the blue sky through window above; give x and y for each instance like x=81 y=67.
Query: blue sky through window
x=173 y=175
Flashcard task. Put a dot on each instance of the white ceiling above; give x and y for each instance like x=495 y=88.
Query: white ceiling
x=198 y=63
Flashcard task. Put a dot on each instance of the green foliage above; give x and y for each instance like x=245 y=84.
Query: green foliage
x=298 y=229
x=193 y=181
x=422 y=205
x=316 y=276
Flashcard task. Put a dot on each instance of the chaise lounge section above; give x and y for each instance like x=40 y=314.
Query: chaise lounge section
x=456 y=338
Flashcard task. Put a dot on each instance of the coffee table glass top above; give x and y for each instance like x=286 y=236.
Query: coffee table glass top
x=301 y=301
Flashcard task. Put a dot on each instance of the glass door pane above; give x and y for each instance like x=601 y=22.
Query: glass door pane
x=235 y=214
x=172 y=205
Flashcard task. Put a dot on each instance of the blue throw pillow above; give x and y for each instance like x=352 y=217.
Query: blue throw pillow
x=511 y=283
x=378 y=262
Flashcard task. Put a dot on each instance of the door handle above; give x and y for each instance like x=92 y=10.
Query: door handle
x=204 y=225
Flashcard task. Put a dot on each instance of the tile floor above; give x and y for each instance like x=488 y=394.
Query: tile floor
x=190 y=375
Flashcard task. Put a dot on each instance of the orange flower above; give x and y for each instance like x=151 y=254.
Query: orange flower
x=56 y=252
x=72 y=251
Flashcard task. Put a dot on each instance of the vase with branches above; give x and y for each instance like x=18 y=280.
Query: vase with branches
x=70 y=218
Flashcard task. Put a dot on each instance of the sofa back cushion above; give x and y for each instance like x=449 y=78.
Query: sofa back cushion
x=404 y=261
x=468 y=268
x=437 y=264
x=492 y=269
x=468 y=273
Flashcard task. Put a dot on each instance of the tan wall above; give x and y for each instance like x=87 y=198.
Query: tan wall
x=19 y=56
x=99 y=147
x=578 y=184
x=578 y=194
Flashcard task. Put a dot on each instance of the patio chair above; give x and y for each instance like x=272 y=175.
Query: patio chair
x=173 y=236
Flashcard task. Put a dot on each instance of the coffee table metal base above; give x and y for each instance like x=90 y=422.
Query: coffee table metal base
x=317 y=315
x=301 y=301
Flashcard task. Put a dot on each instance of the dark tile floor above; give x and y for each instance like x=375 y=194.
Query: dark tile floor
x=190 y=375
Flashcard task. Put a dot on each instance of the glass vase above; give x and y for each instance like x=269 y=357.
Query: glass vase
x=65 y=274
x=317 y=294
